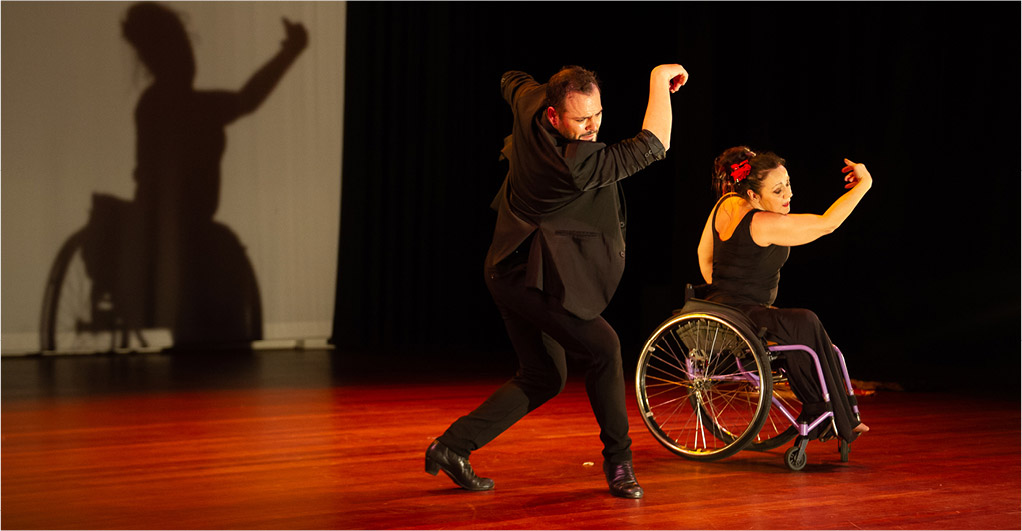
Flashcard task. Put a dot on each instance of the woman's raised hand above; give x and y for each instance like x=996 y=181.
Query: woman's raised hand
x=296 y=37
x=855 y=174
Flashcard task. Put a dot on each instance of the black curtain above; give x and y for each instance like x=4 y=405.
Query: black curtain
x=924 y=276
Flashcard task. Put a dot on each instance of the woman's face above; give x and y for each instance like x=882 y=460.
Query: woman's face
x=775 y=194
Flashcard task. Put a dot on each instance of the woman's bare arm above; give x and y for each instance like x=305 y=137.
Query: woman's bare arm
x=771 y=228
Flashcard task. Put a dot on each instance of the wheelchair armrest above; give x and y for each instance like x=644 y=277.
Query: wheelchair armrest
x=696 y=292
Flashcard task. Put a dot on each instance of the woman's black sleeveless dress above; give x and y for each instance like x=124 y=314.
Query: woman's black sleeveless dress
x=746 y=275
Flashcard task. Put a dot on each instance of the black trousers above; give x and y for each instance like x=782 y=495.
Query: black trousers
x=542 y=333
x=795 y=326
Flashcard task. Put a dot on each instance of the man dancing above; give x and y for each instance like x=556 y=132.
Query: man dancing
x=557 y=255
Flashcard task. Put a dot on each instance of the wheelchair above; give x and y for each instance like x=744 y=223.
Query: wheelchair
x=709 y=386
x=97 y=296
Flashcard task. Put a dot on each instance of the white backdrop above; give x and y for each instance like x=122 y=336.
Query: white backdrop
x=70 y=83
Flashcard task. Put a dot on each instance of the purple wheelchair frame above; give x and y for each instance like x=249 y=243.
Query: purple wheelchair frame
x=805 y=428
x=795 y=457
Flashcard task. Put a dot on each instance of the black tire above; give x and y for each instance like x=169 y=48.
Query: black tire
x=795 y=458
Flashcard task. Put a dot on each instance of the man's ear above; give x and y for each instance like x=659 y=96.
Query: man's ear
x=551 y=114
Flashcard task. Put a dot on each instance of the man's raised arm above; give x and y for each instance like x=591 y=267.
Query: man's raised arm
x=663 y=81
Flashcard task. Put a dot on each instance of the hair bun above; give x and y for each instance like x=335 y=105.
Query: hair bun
x=739 y=168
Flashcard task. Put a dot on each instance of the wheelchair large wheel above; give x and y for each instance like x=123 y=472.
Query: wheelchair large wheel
x=76 y=316
x=703 y=386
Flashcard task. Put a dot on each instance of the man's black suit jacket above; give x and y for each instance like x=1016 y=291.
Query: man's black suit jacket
x=564 y=193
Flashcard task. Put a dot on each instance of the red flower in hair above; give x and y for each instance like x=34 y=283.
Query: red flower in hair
x=740 y=171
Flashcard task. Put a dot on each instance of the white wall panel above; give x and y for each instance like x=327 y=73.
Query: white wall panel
x=70 y=84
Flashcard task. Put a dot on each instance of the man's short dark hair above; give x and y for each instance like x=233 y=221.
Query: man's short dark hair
x=569 y=79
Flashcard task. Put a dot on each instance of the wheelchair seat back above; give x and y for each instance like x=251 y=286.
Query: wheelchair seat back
x=732 y=315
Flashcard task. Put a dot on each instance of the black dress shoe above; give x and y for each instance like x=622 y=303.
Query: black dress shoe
x=621 y=479
x=440 y=457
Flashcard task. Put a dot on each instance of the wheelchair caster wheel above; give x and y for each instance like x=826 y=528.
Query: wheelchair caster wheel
x=844 y=449
x=795 y=458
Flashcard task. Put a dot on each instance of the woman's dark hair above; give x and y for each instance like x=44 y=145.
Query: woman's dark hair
x=158 y=35
x=731 y=165
x=569 y=79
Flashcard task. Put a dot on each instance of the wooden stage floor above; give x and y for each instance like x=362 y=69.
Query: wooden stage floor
x=313 y=440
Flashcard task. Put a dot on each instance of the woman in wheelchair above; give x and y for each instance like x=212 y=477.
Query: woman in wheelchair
x=743 y=246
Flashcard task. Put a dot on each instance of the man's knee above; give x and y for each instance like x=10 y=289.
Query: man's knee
x=554 y=383
x=540 y=395
x=541 y=386
x=609 y=351
x=605 y=357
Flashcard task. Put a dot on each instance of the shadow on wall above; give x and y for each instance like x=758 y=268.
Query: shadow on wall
x=160 y=261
